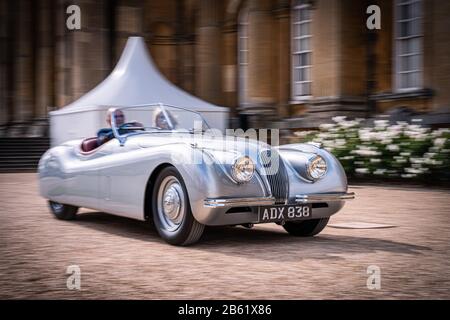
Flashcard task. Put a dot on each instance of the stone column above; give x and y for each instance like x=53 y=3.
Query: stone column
x=163 y=50
x=260 y=66
x=44 y=79
x=185 y=44
x=436 y=46
x=63 y=56
x=260 y=52
x=326 y=44
x=283 y=57
x=23 y=63
x=187 y=68
x=230 y=65
x=4 y=31
x=91 y=51
x=209 y=51
x=128 y=22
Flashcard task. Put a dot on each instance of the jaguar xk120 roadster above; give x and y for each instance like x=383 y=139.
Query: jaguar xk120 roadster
x=167 y=165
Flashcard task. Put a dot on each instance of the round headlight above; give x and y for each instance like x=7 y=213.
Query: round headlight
x=316 y=168
x=243 y=169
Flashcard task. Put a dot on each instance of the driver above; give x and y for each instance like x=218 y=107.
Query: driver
x=106 y=134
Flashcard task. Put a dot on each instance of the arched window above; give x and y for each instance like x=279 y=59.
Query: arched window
x=243 y=55
x=301 y=50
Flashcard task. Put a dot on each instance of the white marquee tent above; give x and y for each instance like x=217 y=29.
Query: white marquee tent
x=134 y=81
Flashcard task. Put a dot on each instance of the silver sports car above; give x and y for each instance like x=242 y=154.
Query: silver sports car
x=164 y=163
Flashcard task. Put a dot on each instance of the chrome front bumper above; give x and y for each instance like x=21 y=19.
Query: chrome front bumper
x=236 y=202
x=324 y=197
x=267 y=201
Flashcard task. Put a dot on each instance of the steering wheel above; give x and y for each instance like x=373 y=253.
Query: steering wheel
x=126 y=126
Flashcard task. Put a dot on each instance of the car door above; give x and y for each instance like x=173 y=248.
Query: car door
x=84 y=176
x=120 y=180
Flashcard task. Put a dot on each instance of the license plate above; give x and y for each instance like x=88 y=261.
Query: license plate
x=284 y=213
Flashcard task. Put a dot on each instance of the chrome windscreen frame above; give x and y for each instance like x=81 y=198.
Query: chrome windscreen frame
x=123 y=138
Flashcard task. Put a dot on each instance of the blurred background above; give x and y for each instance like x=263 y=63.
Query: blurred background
x=287 y=64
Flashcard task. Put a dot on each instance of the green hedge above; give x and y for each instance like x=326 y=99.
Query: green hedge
x=401 y=151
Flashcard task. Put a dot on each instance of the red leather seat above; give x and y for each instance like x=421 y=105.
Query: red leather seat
x=89 y=144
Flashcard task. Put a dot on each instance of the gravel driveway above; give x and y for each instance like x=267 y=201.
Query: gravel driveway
x=122 y=258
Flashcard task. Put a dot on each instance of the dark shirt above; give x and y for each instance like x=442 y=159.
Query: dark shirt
x=106 y=134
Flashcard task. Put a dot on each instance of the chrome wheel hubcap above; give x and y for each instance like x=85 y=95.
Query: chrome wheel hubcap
x=170 y=204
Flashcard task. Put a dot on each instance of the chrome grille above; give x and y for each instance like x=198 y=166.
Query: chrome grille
x=276 y=174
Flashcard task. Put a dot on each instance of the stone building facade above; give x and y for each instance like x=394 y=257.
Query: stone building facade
x=286 y=63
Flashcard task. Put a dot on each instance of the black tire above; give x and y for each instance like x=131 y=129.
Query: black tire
x=188 y=230
x=63 y=211
x=307 y=228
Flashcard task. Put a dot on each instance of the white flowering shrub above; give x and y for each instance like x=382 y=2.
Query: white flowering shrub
x=407 y=151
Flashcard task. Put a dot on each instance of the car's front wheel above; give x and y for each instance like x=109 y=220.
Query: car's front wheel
x=63 y=211
x=171 y=209
x=307 y=228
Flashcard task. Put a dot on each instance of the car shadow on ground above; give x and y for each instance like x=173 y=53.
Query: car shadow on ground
x=257 y=243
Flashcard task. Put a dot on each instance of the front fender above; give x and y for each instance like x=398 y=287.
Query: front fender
x=335 y=179
x=208 y=178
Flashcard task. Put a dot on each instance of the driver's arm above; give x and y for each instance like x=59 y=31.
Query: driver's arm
x=104 y=135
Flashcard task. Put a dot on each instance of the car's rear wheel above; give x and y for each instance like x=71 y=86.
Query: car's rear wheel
x=63 y=211
x=171 y=209
x=307 y=228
